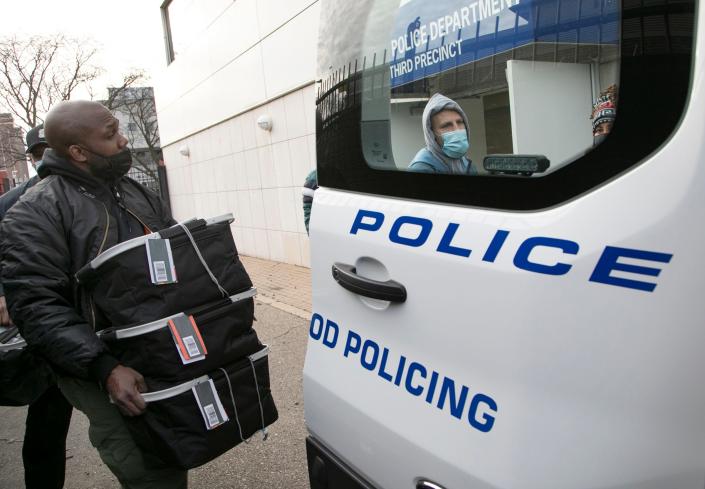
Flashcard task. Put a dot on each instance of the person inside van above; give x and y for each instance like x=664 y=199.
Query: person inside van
x=604 y=112
x=447 y=137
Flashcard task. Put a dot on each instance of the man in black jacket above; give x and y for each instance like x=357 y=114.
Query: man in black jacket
x=83 y=205
x=49 y=414
x=36 y=144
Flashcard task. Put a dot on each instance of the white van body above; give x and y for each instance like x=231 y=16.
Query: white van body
x=564 y=351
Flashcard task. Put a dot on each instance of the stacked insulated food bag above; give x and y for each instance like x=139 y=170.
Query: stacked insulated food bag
x=23 y=376
x=177 y=307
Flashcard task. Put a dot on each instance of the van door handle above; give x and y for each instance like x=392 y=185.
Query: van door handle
x=347 y=277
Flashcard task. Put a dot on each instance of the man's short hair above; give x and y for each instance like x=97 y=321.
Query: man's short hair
x=68 y=124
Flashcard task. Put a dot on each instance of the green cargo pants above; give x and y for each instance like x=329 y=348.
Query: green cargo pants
x=109 y=435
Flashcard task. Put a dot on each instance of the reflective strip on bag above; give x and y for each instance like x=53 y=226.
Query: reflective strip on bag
x=15 y=345
x=260 y=354
x=173 y=391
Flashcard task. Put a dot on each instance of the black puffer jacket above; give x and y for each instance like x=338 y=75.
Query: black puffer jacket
x=10 y=198
x=64 y=222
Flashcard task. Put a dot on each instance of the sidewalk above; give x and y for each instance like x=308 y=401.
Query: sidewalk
x=283 y=286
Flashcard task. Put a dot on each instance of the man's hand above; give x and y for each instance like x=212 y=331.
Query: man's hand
x=4 y=314
x=124 y=386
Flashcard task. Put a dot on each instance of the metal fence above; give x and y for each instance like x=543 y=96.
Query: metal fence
x=149 y=176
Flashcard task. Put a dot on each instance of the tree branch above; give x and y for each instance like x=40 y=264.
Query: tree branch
x=37 y=72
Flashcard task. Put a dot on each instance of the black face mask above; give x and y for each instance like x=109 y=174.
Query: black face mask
x=599 y=139
x=112 y=167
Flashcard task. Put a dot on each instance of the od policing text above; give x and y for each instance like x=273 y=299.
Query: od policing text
x=413 y=377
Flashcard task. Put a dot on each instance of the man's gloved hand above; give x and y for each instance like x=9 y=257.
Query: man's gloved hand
x=4 y=314
x=124 y=386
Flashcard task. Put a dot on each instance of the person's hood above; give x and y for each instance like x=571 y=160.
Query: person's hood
x=436 y=104
x=54 y=164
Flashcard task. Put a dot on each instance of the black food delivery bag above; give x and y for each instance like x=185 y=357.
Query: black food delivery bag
x=192 y=423
x=163 y=273
x=188 y=344
x=23 y=376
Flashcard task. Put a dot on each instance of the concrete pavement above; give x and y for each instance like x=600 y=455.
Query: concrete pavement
x=282 y=308
x=283 y=286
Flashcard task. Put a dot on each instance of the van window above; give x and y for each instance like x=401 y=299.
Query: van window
x=468 y=81
x=510 y=104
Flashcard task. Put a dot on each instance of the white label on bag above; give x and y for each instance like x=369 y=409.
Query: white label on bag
x=191 y=346
x=161 y=261
x=160 y=272
x=209 y=404
x=211 y=416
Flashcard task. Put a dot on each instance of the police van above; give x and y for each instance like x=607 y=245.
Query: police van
x=506 y=246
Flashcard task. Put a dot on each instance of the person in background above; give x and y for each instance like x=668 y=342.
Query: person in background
x=83 y=204
x=447 y=136
x=36 y=144
x=604 y=112
x=49 y=416
x=310 y=186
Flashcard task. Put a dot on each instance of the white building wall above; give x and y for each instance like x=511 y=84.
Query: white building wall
x=258 y=57
x=561 y=93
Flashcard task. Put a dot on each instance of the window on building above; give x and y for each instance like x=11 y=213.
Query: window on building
x=185 y=20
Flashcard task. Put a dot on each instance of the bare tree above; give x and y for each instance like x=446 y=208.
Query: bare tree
x=136 y=107
x=38 y=72
x=117 y=95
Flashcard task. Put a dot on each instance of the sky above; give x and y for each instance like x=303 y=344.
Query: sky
x=128 y=33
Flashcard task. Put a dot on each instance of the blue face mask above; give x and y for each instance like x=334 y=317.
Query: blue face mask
x=455 y=144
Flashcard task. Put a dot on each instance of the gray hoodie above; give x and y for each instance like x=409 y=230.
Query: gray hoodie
x=437 y=161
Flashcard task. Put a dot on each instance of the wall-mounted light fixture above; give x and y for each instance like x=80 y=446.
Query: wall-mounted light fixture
x=184 y=150
x=265 y=122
